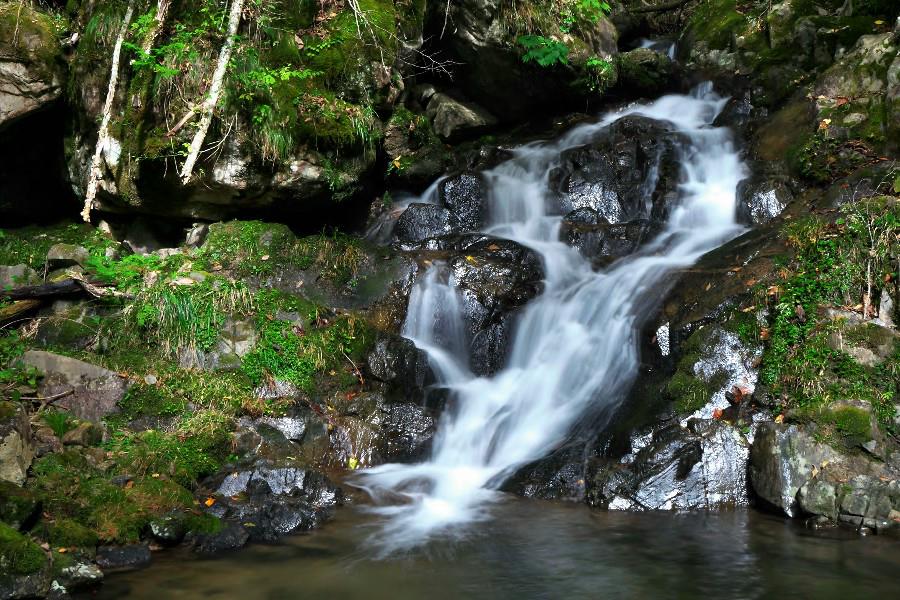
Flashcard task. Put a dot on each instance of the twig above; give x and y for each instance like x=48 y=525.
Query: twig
x=356 y=370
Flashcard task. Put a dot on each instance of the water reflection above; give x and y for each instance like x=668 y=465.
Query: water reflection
x=538 y=550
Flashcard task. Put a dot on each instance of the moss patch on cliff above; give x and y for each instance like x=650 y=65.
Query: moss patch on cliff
x=840 y=263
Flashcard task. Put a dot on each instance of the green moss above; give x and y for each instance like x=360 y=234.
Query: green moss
x=247 y=247
x=689 y=393
x=203 y=523
x=73 y=489
x=852 y=425
x=65 y=533
x=184 y=457
x=17 y=505
x=303 y=354
x=19 y=555
x=29 y=245
x=34 y=33
x=716 y=22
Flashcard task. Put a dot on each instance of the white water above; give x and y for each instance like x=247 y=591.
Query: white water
x=574 y=350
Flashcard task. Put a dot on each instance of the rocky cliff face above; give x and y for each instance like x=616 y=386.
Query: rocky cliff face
x=175 y=379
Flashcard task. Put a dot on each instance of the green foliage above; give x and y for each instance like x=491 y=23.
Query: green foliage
x=575 y=12
x=125 y=273
x=19 y=555
x=188 y=316
x=544 y=51
x=600 y=74
x=59 y=421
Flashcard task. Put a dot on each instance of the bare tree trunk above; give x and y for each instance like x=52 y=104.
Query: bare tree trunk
x=96 y=172
x=162 y=13
x=212 y=99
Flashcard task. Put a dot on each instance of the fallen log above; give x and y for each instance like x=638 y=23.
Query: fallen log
x=65 y=287
x=17 y=309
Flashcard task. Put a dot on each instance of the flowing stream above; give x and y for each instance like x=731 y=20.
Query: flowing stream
x=574 y=349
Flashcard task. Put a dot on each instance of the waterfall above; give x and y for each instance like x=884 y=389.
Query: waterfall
x=574 y=350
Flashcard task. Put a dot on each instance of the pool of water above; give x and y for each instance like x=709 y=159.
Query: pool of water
x=533 y=549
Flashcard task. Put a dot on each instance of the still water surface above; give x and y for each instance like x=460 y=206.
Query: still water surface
x=539 y=550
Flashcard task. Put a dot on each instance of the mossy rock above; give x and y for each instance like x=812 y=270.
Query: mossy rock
x=19 y=554
x=65 y=533
x=18 y=506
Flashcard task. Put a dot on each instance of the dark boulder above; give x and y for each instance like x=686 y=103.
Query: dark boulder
x=421 y=221
x=464 y=196
x=630 y=170
x=123 y=557
x=600 y=238
x=495 y=277
x=396 y=361
x=233 y=536
x=646 y=72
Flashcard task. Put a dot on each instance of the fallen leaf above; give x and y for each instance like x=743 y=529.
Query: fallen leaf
x=209 y=501
x=353 y=463
x=779 y=419
x=63 y=550
x=264 y=257
x=717 y=414
x=129 y=485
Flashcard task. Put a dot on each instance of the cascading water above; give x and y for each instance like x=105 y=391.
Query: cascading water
x=574 y=349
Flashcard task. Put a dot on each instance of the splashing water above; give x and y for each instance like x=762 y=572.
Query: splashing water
x=574 y=350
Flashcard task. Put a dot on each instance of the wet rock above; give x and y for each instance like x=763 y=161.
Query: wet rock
x=232 y=537
x=16 y=445
x=80 y=575
x=422 y=221
x=700 y=466
x=464 y=196
x=273 y=499
x=123 y=557
x=454 y=120
x=645 y=71
x=633 y=159
x=92 y=392
x=19 y=507
x=599 y=239
x=397 y=361
x=784 y=459
x=761 y=201
x=168 y=530
x=489 y=347
x=16 y=587
x=495 y=277
x=407 y=429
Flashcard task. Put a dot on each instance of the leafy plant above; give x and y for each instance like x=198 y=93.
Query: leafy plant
x=544 y=51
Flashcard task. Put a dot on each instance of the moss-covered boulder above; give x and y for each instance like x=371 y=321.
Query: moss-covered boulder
x=31 y=72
